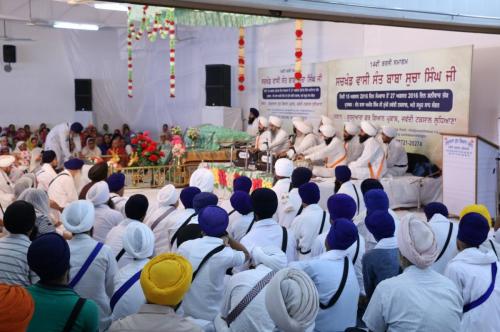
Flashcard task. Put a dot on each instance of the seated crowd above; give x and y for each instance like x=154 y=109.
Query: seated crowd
x=91 y=259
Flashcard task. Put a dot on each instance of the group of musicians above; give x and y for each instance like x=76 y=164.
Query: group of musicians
x=369 y=151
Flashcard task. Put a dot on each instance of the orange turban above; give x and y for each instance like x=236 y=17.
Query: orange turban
x=16 y=308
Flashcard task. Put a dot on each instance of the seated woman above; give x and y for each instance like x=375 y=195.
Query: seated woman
x=118 y=148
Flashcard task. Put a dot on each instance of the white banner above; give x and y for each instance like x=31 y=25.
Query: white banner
x=277 y=95
x=421 y=94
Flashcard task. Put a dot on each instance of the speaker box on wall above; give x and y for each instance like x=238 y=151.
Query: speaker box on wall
x=218 y=85
x=83 y=94
x=9 y=53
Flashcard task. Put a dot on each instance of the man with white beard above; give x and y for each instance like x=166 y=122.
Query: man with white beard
x=277 y=140
x=62 y=189
x=304 y=139
x=397 y=158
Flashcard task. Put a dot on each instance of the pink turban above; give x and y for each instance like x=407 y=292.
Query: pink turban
x=417 y=242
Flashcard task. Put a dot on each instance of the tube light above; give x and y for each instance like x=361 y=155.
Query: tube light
x=111 y=6
x=76 y=26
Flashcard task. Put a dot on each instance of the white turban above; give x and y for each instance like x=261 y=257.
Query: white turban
x=327 y=130
x=6 y=160
x=326 y=120
x=263 y=121
x=272 y=257
x=203 y=179
x=25 y=182
x=168 y=195
x=139 y=240
x=98 y=194
x=303 y=127
x=78 y=216
x=292 y=300
x=417 y=241
x=275 y=121
x=351 y=128
x=368 y=128
x=283 y=167
x=389 y=131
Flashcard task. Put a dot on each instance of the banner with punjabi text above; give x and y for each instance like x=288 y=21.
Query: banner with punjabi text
x=278 y=97
x=421 y=94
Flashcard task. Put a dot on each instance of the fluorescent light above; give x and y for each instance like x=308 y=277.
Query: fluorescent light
x=77 y=26
x=111 y=6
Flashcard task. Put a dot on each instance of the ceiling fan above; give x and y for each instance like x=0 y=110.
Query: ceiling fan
x=6 y=38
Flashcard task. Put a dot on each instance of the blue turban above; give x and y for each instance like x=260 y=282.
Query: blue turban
x=435 y=207
x=213 y=221
x=187 y=196
x=48 y=256
x=341 y=206
x=342 y=234
x=204 y=199
x=242 y=183
x=342 y=173
x=48 y=156
x=116 y=182
x=76 y=127
x=376 y=199
x=136 y=207
x=74 y=164
x=264 y=202
x=370 y=184
x=381 y=224
x=241 y=202
x=301 y=175
x=309 y=192
x=473 y=229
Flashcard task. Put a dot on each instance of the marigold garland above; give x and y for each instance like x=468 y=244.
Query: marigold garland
x=298 y=53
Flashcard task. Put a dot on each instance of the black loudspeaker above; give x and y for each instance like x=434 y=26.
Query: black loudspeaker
x=83 y=94
x=218 y=85
x=9 y=53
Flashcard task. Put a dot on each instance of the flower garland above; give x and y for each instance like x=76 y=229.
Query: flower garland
x=298 y=53
x=241 y=60
x=152 y=30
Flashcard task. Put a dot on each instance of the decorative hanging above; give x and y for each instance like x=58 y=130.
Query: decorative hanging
x=298 y=53
x=241 y=60
x=172 y=58
x=152 y=29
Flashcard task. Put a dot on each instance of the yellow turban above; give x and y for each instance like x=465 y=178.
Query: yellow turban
x=166 y=278
x=16 y=308
x=480 y=209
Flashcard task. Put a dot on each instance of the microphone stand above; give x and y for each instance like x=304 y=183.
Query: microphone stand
x=420 y=182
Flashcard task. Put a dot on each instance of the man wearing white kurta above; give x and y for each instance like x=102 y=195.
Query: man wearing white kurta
x=204 y=298
x=288 y=199
x=7 y=194
x=63 y=188
x=372 y=162
x=138 y=242
x=311 y=222
x=419 y=299
x=105 y=217
x=352 y=146
x=474 y=272
x=277 y=139
x=58 y=140
x=253 y=123
x=168 y=201
x=97 y=281
x=397 y=158
x=262 y=136
x=266 y=231
x=47 y=173
x=343 y=179
x=255 y=316
x=304 y=140
x=135 y=210
x=116 y=184
x=446 y=234
x=330 y=155
x=327 y=271
x=242 y=204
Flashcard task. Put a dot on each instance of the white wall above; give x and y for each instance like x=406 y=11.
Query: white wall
x=40 y=88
